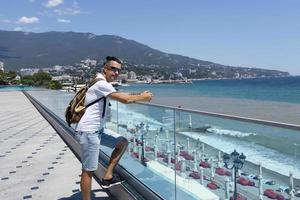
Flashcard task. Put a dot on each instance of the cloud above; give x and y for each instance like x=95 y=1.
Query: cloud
x=28 y=20
x=53 y=3
x=67 y=11
x=64 y=20
x=18 y=29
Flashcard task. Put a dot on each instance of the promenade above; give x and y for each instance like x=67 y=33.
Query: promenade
x=35 y=163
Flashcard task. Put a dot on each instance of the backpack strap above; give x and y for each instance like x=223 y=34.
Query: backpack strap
x=95 y=80
x=104 y=104
x=92 y=82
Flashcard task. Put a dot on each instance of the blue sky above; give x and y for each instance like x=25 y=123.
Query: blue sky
x=253 y=33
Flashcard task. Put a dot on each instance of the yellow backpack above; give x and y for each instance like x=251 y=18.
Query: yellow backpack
x=76 y=107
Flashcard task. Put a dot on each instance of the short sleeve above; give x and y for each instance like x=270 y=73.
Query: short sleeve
x=103 y=88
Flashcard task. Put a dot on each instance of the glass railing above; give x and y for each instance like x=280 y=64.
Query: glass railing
x=178 y=153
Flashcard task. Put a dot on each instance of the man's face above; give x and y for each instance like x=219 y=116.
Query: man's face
x=112 y=70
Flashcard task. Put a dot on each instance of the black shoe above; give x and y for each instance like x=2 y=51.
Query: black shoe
x=113 y=181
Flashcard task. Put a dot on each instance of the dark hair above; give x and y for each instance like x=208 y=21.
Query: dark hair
x=112 y=58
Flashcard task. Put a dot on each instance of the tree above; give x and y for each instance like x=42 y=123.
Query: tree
x=41 y=79
x=54 y=85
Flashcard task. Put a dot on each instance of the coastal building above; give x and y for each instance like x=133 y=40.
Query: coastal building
x=62 y=78
x=192 y=71
x=58 y=68
x=2 y=66
x=132 y=75
x=28 y=71
x=87 y=63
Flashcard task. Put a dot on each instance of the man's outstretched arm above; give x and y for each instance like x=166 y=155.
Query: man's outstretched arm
x=131 y=98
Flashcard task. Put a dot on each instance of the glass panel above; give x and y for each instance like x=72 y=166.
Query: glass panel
x=54 y=100
x=197 y=148
x=203 y=141
x=191 y=152
x=151 y=153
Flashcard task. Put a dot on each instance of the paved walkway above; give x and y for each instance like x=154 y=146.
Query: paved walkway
x=35 y=163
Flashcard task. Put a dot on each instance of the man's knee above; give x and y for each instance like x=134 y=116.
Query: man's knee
x=122 y=144
x=87 y=173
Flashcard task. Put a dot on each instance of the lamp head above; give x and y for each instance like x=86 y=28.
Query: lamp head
x=234 y=155
x=242 y=157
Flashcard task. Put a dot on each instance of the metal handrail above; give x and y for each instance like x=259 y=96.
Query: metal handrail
x=226 y=116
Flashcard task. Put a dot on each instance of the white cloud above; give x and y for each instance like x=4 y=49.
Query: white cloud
x=64 y=20
x=28 y=20
x=18 y=29
x=53 y=3
x=67 y=11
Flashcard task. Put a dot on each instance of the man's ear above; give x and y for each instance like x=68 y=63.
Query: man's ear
x=104 y=70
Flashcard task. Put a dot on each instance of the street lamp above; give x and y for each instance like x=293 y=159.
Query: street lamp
x=234 y=161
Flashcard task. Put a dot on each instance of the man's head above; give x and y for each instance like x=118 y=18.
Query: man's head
x=111 y=68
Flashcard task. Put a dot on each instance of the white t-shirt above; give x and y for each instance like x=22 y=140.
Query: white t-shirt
x=92 y=119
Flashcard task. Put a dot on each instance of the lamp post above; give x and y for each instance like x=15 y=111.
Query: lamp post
x=234 y=161
x=143 y=142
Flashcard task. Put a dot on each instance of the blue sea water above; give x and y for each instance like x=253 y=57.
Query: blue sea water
x=283 y=89
x=15 y=88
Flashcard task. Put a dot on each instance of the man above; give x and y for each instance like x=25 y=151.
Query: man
x=90 y=127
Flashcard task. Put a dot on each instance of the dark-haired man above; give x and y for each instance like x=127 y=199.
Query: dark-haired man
x=90 y=129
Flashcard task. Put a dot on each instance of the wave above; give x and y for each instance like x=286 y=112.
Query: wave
x=233 y=133
x=270 y=159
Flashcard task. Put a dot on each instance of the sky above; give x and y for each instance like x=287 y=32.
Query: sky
x=253 y=33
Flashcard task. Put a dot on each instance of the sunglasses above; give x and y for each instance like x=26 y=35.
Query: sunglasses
x=114 y=69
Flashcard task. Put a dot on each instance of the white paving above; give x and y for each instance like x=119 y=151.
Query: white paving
x=35 y=163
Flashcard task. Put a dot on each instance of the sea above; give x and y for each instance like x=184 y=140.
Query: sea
x=271 y=99
x=281 y=89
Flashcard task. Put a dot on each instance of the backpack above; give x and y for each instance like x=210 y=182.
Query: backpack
x=76 y=107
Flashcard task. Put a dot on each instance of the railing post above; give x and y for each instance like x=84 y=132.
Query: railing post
x=260 y=189
x=169 y=157
x=188 y=145
x=195 y=160
x=201 y=175
x=140 y=152
x=202 y=151
x=155 y=152
x=227 y=189
x=183 y=167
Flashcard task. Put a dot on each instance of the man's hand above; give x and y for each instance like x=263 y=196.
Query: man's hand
x=147 y=95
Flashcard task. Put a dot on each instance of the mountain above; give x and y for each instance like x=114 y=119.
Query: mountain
x=22 y=49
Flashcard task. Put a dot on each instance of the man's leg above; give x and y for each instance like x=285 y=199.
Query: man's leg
x=90 y=145
x=114 y=158
x=86 y=184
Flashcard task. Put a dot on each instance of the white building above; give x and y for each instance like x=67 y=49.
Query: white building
x=1 y=66
x=57 y=67
x=89 y=62
x=131 y=75
x=62 y=78
x=28 y=71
